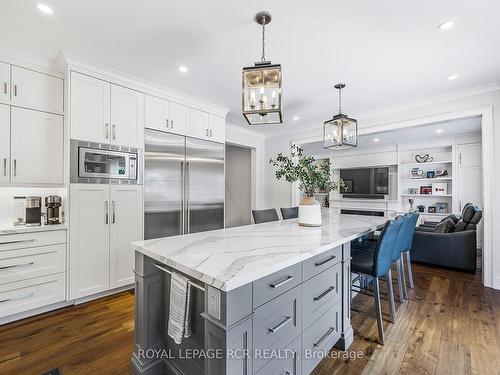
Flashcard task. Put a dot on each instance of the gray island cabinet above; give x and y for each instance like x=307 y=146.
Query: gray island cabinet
x=266 y=299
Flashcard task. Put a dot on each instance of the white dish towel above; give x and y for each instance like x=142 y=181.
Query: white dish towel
x=179 y=316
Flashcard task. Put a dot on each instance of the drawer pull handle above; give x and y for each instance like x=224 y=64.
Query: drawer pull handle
x=330 y=289
x=281 y=325
x=17 y=298
x=17 y=265
x=324 y=337
x=14 y=242
x=317 y=264
x=282 y=282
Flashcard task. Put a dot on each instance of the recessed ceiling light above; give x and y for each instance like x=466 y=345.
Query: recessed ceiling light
x=453 y=77
x=446 y=25
x=439 y=131
x=296 y=118
x=183 y=69
x=376 y=139
x=45 y=9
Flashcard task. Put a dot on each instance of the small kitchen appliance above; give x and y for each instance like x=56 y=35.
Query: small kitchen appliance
x=33 y=217
x=52 y=204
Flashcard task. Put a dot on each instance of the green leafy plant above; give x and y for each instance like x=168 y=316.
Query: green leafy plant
x=312 y=177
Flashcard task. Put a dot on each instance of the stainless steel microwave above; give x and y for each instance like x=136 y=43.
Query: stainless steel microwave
x=100 y=163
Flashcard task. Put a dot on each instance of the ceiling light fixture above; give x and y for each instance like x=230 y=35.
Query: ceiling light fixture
x=446 y=25
x=453 y=77
x=261 y=95
x=439 y=131
x=45 y=9
x=296 y=118
x=340 y=132
x=376 y=139
x=183 y=69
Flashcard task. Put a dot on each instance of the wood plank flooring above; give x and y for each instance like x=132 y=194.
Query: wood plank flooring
x=451 y=325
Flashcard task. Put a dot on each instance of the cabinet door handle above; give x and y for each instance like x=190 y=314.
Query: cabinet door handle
x=210 y=133
x=171 y=124
x=317 y=264
x=17 y=265
x=106 y=130
x=206 y=132
x=15 y=167
x=113 y=131
x=106 y=210
x=15 y=90
x=280 y=325
x=17 y=298
x=282 y=282
x=5 y=87
x=166 y=120
x=324 y=337
x=330 y=289
x=114 y=212
x=5 y=166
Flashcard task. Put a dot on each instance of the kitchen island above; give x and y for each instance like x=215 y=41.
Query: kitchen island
x=269 y=298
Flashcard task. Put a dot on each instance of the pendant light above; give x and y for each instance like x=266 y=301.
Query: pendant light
x=341 y=132
x=261 y=94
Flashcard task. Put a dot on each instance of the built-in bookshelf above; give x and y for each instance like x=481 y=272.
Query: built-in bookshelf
x=429 y=183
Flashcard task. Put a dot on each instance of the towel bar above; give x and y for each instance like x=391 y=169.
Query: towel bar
x=189 y=281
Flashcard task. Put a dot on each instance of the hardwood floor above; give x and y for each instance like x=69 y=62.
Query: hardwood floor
x=451 y=325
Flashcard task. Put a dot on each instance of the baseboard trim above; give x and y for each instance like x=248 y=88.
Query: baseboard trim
x=37 y=311
x=496 y=282
x=92 y=297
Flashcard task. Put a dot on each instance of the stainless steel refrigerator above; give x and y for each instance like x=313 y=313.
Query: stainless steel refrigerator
x=183 y=185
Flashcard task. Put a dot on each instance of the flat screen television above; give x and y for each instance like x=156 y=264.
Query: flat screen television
x=368 y=183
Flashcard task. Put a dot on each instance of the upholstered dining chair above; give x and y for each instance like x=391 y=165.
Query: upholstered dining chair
x=265 y=216
x=289 y=212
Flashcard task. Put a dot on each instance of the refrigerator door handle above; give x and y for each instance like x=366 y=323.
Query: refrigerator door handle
x=183 y=194
x=188 y=214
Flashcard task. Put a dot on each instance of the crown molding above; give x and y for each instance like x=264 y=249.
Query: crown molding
x=245 y=131
x=30 y=61
x=72 y=62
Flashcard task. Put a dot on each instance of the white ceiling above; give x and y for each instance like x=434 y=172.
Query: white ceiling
x=387 y=51
x=403 y=137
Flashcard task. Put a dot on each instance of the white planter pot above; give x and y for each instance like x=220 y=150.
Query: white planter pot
x=309 y=212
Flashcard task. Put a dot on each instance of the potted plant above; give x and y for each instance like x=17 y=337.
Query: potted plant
x=312 y=177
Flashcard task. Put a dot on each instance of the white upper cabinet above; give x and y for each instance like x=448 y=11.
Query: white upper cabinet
x=36 y=147
x=179 y=118
x=4 y=143
x=156 y=113
x=198 y=126
x=90 y=109
x=36 y=90
x=216 y=128
x=125 y=227
x=4 y=82
x=127 y=116
x=470 y=155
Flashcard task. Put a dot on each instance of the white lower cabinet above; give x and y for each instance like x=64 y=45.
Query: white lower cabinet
x=126 y=226
x=104 y=219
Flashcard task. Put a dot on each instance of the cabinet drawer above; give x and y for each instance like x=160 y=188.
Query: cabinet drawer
x=321 y=262
x=31 y=294
x=287 y=364
x=16 y=265
x=24 y=240
x=320 y=293
x=272 y=286
x=279 y=319
x=318 y=339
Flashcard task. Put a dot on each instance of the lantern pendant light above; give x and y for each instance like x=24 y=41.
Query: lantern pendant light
x=341 y=132
x=261 y=86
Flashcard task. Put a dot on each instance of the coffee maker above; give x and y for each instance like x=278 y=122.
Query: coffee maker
x=52 y=203
x=33 y=211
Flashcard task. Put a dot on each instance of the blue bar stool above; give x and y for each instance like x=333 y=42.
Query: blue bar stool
x=377 y=264
x=407 y=246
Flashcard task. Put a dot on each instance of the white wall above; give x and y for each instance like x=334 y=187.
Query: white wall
x=280 y=194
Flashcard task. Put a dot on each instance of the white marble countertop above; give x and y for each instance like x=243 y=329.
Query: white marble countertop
x=6 y=229
x=232 y=257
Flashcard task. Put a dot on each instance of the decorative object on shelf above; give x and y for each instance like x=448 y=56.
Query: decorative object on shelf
x=439 y=188
x=311 y=177
x=416 y=173
x=431 y=174
x=341 y=132
x=421 y=208
x=347 y=186
x=411 y=201
x=423 y=158
x=413 y=191
x=262 y=94
x=425 y=190
x=442 y=207
x=431 y=209
x=441 y=173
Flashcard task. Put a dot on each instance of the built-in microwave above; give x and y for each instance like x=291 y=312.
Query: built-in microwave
x=101 y=163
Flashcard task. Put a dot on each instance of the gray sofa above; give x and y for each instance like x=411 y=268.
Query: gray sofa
x=456 y=249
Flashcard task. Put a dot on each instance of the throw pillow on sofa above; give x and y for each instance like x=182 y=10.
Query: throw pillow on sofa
x=446 y=226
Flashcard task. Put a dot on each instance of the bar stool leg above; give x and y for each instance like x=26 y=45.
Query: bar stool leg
x=390 y=296
x=378 y=308
x=410 y=271
x=403 y=292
